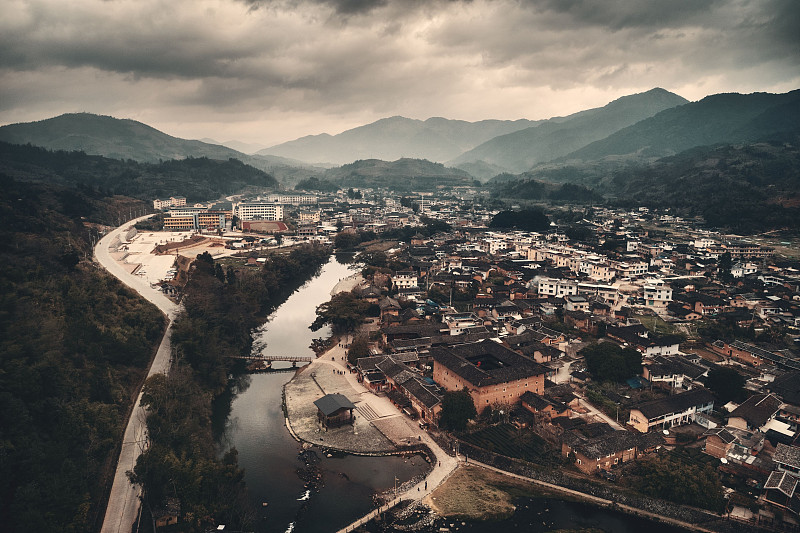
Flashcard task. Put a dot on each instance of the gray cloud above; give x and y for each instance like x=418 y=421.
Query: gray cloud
x=333 y=62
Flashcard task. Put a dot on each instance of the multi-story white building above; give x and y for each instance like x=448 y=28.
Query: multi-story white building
x=293 y=199
x=704 y=242
x=657 y=294
x=609 y=293
x=494 y=246
x=258 y=211
x=740 y=270
x=627 y=269
x=307 y=216
x=405 y=279
x=556 y=287
x=172 y=201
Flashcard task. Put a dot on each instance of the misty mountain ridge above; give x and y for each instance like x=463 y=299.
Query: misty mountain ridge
x=435 y=139
x=523 y=149
x=239 y=146
x=110 y=137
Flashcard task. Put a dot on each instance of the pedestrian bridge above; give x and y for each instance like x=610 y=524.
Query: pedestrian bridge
x=270 y=358
x=267 y=360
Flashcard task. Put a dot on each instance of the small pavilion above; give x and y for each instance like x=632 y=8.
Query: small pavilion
x=334 y=410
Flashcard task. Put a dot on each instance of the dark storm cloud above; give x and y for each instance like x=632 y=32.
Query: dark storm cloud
x=619 y=14
x=343 y=7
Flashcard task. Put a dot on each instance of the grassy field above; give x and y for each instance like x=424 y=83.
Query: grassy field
x=656 y=324
x=477 y=494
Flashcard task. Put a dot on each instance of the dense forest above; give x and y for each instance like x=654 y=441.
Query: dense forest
x=404 y=175
x=746 y=187
x=529 y=189
x=525 y=220
x=750 y=187
x=75 y=347
x=222 y=306
x=316 y=184
x=198 y=179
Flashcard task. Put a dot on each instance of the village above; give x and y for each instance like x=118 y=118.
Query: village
x=611 y=344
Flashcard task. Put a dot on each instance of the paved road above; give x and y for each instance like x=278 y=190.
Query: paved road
x=123 y=502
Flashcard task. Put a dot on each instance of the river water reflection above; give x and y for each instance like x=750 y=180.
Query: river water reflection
x=269 y=454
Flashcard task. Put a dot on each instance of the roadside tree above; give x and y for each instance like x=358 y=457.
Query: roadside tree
x=457 y=409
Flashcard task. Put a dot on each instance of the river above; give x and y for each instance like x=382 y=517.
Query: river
x=255 y=425
x=269 y=455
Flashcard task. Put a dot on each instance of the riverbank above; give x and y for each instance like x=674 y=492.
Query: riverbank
x=347 y=284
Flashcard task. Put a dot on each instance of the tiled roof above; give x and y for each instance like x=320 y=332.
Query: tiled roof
x=608 y=444
x=723 y=434
x=416 y=388
x=675 y=404
x=330 y=403
x=787 y=455
x=757 y=409
x=513 y=365
x=782 y=481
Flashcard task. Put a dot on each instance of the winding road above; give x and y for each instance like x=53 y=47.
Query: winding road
x=123 y=502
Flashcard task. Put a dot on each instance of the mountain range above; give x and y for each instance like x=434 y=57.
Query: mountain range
x=435 y=139
x=585 y=147
x=521 y=150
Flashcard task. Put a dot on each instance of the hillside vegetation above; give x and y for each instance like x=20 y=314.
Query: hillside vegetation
x=748 y=187
x=196 y=179
x=76 y=345
x=401 y=175
x=716 y=119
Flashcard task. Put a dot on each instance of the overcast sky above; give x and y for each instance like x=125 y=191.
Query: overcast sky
x=267 y=71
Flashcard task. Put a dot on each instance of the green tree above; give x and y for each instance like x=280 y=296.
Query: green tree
x=358 y=348
x=607 y=361
x=346 y=241
x=579 y=232
x=527 y=220
x=457 y=409
x=724 y=266
x=344 y=312
x=671 y=479
x=727 y=384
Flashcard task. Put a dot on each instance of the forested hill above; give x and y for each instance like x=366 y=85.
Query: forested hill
x=116 y=138
x=743 y=187
x=402 y=175
x=746 y=187
x=716 y=119
x=75 y=347
x=197 y=179
x=521 y=150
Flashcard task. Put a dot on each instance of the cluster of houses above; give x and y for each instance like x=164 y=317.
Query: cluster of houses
x=503 y=315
